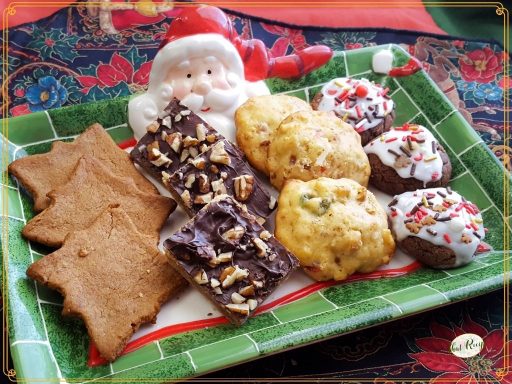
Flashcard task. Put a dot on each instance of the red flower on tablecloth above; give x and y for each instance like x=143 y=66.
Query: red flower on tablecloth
x=481 y=65
x=118 y=70
x=19 y=110
x=288 y=37
x=484 y=367
x=353 y=45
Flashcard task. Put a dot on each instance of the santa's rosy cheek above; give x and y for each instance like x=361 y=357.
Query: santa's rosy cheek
x=181 y=90
x=220 y=83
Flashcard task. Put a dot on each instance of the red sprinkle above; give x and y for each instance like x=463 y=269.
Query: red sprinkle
x=468 y=226
x=408 y=214
x=474 y=226
x=486 y=229
x=385 y=106
x=390 y=140
x=343 y=95
x=347 y=103
x=447 y=238
x=453 y=214
x=332 y=91
x=459 y=207
x=393 y=213
x=423 y=210
x=435 y=175
x=417 y=131
x=358 y=111
x=360 y=129
x=361 y=91
x=419 y=157
x=469 y=209
x=446 y=204
x=384 y=92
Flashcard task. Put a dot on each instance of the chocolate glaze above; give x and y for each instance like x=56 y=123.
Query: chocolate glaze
x=201 y=239
x=259 y=200
x=186 y=126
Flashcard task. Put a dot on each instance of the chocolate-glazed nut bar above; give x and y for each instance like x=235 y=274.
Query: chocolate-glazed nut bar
x=220 y=170
x=230 y=258
x=172 y=140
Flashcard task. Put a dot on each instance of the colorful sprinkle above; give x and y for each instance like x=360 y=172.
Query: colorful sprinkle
x=413 y=169
x=390 y=140
x=430 y=158
x=418 y=157
x=431 y=231
x=361 y=91
x=404 y=150
x=447 y=238
x=434 y=146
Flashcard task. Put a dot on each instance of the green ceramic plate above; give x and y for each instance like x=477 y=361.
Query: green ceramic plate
x=44 y=345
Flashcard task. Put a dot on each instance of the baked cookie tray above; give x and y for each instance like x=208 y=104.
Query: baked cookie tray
x=190 y=337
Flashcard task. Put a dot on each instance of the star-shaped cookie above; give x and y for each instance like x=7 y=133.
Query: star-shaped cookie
x=111 y=276
x=91 y=189
x=41 y=173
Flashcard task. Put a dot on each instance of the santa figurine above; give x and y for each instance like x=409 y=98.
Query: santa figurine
x=205 y=64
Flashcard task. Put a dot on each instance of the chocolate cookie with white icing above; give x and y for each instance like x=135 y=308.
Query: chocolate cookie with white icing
x=437 y=226
x=407 y=158
x=361 y=103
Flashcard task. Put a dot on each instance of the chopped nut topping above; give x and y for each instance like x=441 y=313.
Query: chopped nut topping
x=247 y=291
x=204 y=183
x=203 y=148
x=237 y=298
x=83 y=252
x=184 y=154
x=261 y=247
x=211 y=138
x=203 y=199
x=153 y=127
x=226 y=272
x=260 y=220
x=189 y=141
x=219 y=154
x=177 y=117
x=193 y=151
x=225 y=257
x=214 y=169
x=189 y=181
x=167 y=121
x=159 y=158
x=166 y=178
x=244 y=186
x=218 y=187
x=185 y=112
x=141 y=294
x=217 y=290
x=272 y=203
x=237 y=274
x=257 y=283
x=265 y=235
x=234 y=234
x=187 y=200
x=201 y=132
x=252 y=304
x=199 y=163
x=201 y=277
x=214 y=283
x=150 y=147
x=243 y=309
x=272 y=257
x=175 y=141
x=163 y=135
x=223 y=175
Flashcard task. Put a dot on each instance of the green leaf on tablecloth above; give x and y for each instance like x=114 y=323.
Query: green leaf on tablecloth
x=132 y=55
x=95 y=94
x=54 y=44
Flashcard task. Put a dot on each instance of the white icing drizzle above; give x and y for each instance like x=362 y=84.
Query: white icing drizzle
x=363 y=113
x=424 y=163
x=463 y=220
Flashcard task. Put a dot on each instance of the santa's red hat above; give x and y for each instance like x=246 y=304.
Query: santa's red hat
x=252 y=55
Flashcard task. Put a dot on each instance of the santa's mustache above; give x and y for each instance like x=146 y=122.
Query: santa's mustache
x=217 y=99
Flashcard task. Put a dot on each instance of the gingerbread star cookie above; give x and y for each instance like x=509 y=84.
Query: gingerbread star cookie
x=112 y=276
x=92 y=188
x=41 y=173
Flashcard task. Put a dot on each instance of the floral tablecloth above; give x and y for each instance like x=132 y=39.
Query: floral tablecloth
x=74 y=57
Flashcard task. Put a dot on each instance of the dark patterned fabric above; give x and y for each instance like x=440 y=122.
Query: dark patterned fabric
x=73 y=57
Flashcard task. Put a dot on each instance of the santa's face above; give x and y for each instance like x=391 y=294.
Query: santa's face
x=204 y=84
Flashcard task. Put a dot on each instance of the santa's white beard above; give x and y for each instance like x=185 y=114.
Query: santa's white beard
x=218 y=100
